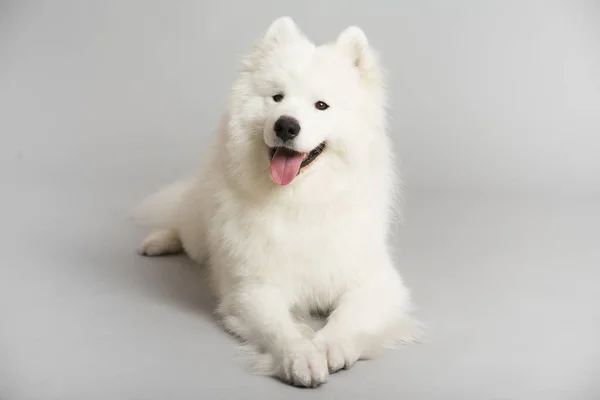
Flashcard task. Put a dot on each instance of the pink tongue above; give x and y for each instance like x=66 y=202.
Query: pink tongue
x=285 y=165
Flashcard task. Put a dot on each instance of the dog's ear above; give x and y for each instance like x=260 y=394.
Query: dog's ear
x=281 y=31
x=354 y=43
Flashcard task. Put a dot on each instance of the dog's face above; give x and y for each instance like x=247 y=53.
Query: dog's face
x=306 y=106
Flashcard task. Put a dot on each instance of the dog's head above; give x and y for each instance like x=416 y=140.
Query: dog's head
x=307 y=111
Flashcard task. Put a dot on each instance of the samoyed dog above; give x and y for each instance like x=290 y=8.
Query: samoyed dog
x=292 y=209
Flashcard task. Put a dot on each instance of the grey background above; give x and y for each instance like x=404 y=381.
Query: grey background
x=495 y=112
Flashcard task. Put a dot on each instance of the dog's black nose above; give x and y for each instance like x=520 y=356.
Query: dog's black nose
x=286 y=128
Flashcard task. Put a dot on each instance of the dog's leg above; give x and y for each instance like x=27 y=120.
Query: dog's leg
x=261 y=315
x=365 y=319
x=161 y=242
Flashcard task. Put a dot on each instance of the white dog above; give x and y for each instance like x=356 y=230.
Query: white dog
x=292 y=210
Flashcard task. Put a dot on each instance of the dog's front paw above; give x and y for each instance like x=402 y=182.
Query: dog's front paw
x=303 y=364
x=340 y=350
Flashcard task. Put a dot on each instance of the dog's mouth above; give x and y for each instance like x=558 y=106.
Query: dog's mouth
x=286 y=163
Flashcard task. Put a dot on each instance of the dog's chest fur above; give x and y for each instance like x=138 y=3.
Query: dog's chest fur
x=312 y=252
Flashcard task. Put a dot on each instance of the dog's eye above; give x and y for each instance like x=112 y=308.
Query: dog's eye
x=321 y=105
x=278 y=97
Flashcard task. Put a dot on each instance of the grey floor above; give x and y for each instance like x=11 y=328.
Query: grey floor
x=509 y=289
x=103 y=102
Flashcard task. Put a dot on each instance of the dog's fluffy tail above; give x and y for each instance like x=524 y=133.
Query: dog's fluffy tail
x=159 y=210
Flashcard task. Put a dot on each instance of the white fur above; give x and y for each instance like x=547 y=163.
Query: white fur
x=276 y=254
